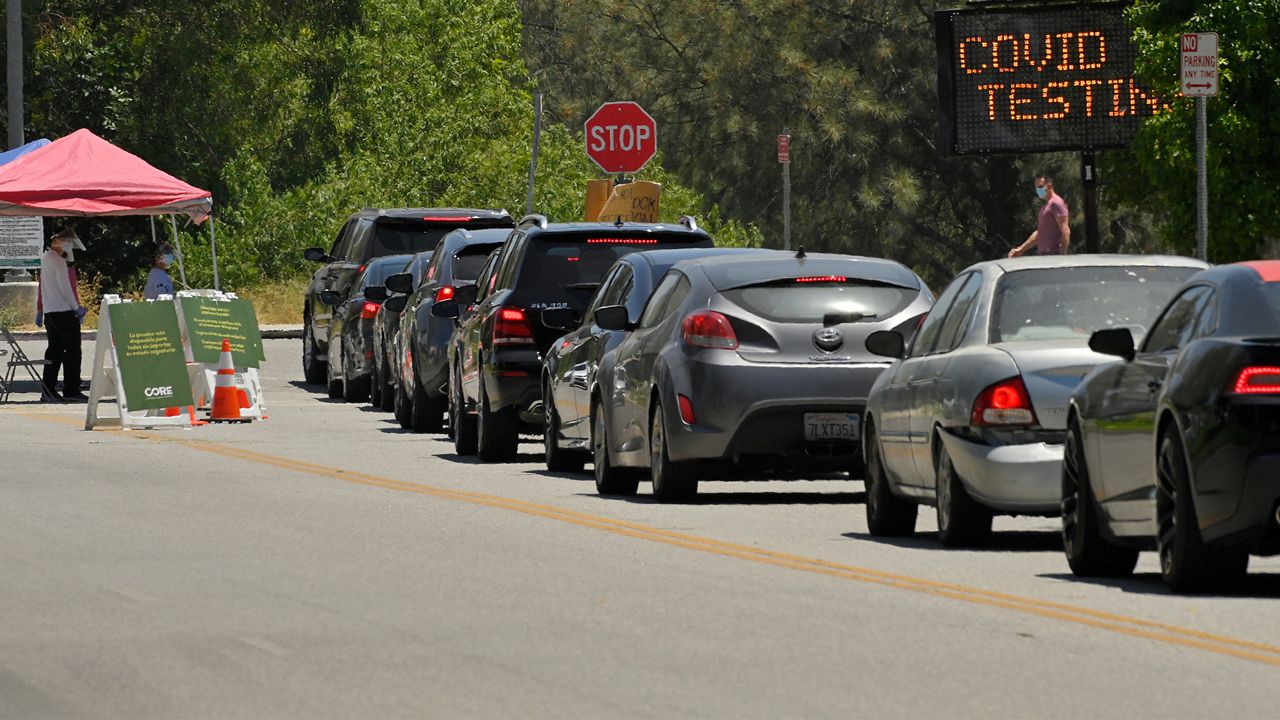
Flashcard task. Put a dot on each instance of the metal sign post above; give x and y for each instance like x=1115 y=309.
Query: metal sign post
x=1199 y=79
x=784 y=159
x=533 y=157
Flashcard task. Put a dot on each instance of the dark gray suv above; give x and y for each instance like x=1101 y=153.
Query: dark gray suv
x=368 y=234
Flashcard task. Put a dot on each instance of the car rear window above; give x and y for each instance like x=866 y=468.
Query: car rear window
x=393 y=236
x=1071 y=302
x=565 y=270
x=380 y=269
x=469 y=261
x=808 y=300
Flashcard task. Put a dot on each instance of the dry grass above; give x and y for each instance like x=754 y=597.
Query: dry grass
x=278 y=303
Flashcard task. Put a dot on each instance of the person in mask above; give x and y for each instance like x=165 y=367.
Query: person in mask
x=59 y=310
x=158 y=280
x=1053 y=229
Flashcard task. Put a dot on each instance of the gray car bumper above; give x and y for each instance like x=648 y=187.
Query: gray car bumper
x=1013 y=478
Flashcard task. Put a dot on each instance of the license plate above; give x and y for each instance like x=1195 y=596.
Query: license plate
x=831 y=426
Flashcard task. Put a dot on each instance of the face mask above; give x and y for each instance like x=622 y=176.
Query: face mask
x=168 y=259
x=1042 y=192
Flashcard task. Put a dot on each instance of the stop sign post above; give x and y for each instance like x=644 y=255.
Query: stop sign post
x=621 y=137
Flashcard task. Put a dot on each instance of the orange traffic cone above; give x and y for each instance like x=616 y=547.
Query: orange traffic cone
x=226 y=402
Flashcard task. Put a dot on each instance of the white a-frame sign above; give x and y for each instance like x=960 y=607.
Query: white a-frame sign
x=139 y=362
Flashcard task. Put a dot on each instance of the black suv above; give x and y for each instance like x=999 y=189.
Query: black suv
x=500 y=348
x=368 y=234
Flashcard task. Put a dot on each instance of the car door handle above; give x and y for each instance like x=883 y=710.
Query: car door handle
x=1155 y=385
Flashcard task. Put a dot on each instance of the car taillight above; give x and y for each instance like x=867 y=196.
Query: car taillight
x=1005 y=403
x=511 y=327
x=444 y=292
x=622 y=241
x=447 y=218
x=823 y=279
x=709 y=329
x=1258 y=380
x=369 y=310
x=686 y=409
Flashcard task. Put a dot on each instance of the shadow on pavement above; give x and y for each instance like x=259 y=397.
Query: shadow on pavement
x=1260 y=586
x=751 y=498
x=1014 y=541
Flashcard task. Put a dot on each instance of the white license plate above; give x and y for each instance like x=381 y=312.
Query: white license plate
x=831 y=426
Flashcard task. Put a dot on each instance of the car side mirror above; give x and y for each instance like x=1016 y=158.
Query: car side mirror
x=466 y=294
x=886 y=343
x=613 y=317
x=315 y=255
x=559 y=318
x=330 y=298
x=445 y=308
x=396 y=303
x=400 y=282
x=376 y=293
x=1113 y=341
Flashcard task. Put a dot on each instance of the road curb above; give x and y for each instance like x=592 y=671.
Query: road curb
x=273 y=332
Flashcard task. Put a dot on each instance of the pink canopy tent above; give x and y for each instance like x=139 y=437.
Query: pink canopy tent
x=83 y=175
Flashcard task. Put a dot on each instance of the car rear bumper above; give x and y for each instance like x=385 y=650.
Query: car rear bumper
x=1012 y=478
x=512 y=380
x=755 y=413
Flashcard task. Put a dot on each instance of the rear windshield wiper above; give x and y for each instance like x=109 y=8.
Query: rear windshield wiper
x=582 y=286
x=839 y=318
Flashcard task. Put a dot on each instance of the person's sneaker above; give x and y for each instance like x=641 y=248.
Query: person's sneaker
x=75 y=397
x=50 y=397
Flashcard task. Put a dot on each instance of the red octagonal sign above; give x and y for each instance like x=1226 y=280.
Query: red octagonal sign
x=621 y=137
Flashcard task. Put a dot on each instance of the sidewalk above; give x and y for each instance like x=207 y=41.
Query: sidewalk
x=269 y=332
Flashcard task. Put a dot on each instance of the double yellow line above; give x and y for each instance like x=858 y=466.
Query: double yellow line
x=1136 y=627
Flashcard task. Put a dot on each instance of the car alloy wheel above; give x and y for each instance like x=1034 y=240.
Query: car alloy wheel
x=1187 y=564
x=610 y=480
x=672 y=481
x=464 y=424
x=962 y=521
x=887 y=514
x=313 y=371
x=1088 y=553
x=558 y=459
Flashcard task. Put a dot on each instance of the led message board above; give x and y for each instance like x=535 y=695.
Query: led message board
x=1033 y=80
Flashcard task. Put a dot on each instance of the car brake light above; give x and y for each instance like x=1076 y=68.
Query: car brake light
x=823 y=279
x=511 y=327
x=622 y=241
x=709 y=329
x=686 y=409
x=1004 y=403
x=1258 y=380
x=444 y=292
x=447 y=218
x=369 y=310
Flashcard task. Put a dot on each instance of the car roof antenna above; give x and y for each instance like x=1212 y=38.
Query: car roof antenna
x=618 y=222
x=800 y=253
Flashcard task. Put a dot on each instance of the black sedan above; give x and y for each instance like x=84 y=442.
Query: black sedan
x=350 y=343
x=385 y=325
x=421 y=386
x=569 y=372
x=754 y=363
x=1177 y=447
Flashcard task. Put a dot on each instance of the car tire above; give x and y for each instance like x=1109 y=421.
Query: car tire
x=335 y=384
x=1187 y=564
x=388 y=403
x=402 y=406
x=427 y=413
x=673 y=481
x=887 y=514
x=314 y=371
x=376 y=384
x=497 y=433
x=962 y=521
x=1088 y=553
x=464 y=425
x=354 y=390
x=558 y=459
x=610 y=480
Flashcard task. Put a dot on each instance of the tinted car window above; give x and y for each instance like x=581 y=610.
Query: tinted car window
x=790 y=301
x=417 y=269
x=565 y=270
x=1069 y=303
x=377 y=272
x=1182 y=321
x=608 y=289
x=395 y=235
x=469 y=261
x=353 y=250
x=957 y=319
x=927 y=337
x=339 y=242
x=653 y=310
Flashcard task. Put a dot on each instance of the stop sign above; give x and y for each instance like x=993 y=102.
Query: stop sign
x=621 y=137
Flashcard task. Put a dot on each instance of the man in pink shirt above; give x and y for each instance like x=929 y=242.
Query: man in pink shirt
x=1053 y=231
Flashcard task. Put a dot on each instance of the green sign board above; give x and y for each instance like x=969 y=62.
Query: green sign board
x=209 y=321
x=149 y=354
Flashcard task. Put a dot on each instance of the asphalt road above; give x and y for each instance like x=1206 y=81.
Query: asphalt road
x=325 y=563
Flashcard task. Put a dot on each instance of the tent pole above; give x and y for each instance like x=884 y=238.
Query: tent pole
x=182 y=265
x=213 y=249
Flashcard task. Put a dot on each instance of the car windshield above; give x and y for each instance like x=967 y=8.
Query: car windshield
x=564 y=271
x=1069 y=303
x=469 y=261
x=807 y=301
x=380 y=269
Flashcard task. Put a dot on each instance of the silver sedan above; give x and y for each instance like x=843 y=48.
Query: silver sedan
x=971 y=418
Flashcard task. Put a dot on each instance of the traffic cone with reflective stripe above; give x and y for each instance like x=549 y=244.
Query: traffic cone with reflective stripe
x=226 y=402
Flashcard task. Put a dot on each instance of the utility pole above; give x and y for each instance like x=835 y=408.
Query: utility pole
x=13 y=40
x=784 y=159
x=533 y=158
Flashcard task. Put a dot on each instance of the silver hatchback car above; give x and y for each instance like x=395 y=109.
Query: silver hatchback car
x=755 y=362
x=971 y=419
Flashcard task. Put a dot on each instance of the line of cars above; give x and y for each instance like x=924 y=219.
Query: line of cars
x=651 y=354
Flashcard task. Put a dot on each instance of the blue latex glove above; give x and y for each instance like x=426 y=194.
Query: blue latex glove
x=81 y=312
x=39 y=319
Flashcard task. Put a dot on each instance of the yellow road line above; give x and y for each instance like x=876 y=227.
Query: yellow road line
x=1136 y=627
